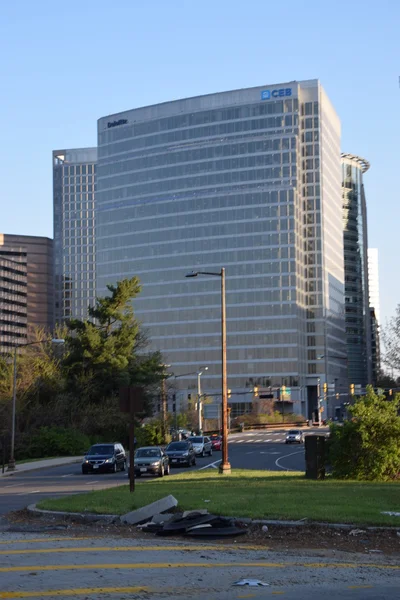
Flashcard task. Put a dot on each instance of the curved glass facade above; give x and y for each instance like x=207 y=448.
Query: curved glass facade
x=227 y=180
x=358 y=324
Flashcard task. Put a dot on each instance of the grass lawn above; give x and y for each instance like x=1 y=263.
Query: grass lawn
x=256 y=494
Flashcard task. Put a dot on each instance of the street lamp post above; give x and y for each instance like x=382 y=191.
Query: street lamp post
x=225 y=467
x=199 y=403
x=199 y=373
x=11 y=461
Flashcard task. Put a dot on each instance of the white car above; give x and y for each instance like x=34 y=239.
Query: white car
x=201 y=444
x=294 y=436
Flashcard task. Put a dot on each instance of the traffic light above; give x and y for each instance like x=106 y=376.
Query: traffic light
x=325 y=388
x=390 y=392
x=229 y=393
x=255 y=391
x=352 y=389
x=283 y=390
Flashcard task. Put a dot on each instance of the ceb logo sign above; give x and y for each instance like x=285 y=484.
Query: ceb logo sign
x=267 y=94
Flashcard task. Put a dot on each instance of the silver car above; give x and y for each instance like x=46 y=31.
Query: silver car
x=294 y=436
x=201 y=444
x=151 y=460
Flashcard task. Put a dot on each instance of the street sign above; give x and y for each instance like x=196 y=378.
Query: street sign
x=131 y=401
x=128 y=395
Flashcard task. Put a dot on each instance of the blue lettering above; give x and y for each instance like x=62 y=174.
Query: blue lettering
x=267 y=94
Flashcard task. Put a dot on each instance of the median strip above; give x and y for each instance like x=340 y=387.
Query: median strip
x=77 y=592
x=203 y=565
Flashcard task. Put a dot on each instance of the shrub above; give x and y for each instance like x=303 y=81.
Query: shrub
x=367 y=447
x=54 y=441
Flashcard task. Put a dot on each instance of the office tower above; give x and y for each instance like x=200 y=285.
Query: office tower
x=40 y=277
x=358 y=319
x=248 y=180
x=13 y=298
x=373 y=281
x=74 y=236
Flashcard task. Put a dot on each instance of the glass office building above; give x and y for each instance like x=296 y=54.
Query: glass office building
x=248 y=180
x=358 y=318
x=74 y=189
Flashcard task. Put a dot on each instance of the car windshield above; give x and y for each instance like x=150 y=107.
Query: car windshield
x=294 y=432
x=147 y=453
x=214 y=436
x=196 y=440
x=101 y=450
x=177 y=446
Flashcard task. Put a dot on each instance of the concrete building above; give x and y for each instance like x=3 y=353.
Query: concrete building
x=248 y=180
x=37 y=255
x=373 y=281
x=74 y=187
x=358 y=320
x=13 y=298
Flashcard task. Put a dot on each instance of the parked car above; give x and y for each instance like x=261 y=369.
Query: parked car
x=151 y=460
x=202 y=445
x=294 y=436
x=216 y=441
x=104 y=458
x=180 y=453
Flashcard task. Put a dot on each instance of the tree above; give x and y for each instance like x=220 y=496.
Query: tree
x=105 y=351
x=367 y=447
x=391 y=341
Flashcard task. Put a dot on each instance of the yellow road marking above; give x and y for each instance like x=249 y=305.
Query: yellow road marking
x=276 y=593
x=45 y=540
x=360 y=587
x=75 y=592
x=126 y=548
x=188 y=565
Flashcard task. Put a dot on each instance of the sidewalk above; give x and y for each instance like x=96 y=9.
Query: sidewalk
x=42 y=464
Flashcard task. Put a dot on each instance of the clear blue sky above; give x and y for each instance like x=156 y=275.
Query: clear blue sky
x=65 y=64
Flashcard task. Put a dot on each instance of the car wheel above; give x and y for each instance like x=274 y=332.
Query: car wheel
x=194 y=462
x=161 y=471
x=210 y=453
x=203 y=453
x=138 y=474
x=84 y=472
x=114 y=468
x=167 y=470
x=123 y=467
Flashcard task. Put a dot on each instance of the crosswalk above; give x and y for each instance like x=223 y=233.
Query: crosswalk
x=256 y=438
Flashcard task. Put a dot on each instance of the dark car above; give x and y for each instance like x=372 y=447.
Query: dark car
x=151 y=460
x=180 y=453
x=108 y=458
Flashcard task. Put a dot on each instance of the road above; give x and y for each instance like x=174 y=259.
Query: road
x=249 y=450
x=93 y=568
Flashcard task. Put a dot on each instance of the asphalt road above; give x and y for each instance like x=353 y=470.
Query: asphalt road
x=53 y=566
x=249 y=450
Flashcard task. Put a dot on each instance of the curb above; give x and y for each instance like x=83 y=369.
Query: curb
x=23 y=471
x=83 y=517
x=93 y=518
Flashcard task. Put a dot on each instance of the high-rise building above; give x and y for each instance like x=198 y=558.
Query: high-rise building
x=248 y=180
x=358 y=319
x=375 y=348
x=13 y=298
x=373 y=281
x=37 y=253
x=74 y=188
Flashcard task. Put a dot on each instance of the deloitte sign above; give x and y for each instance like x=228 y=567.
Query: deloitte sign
x=267 y=94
